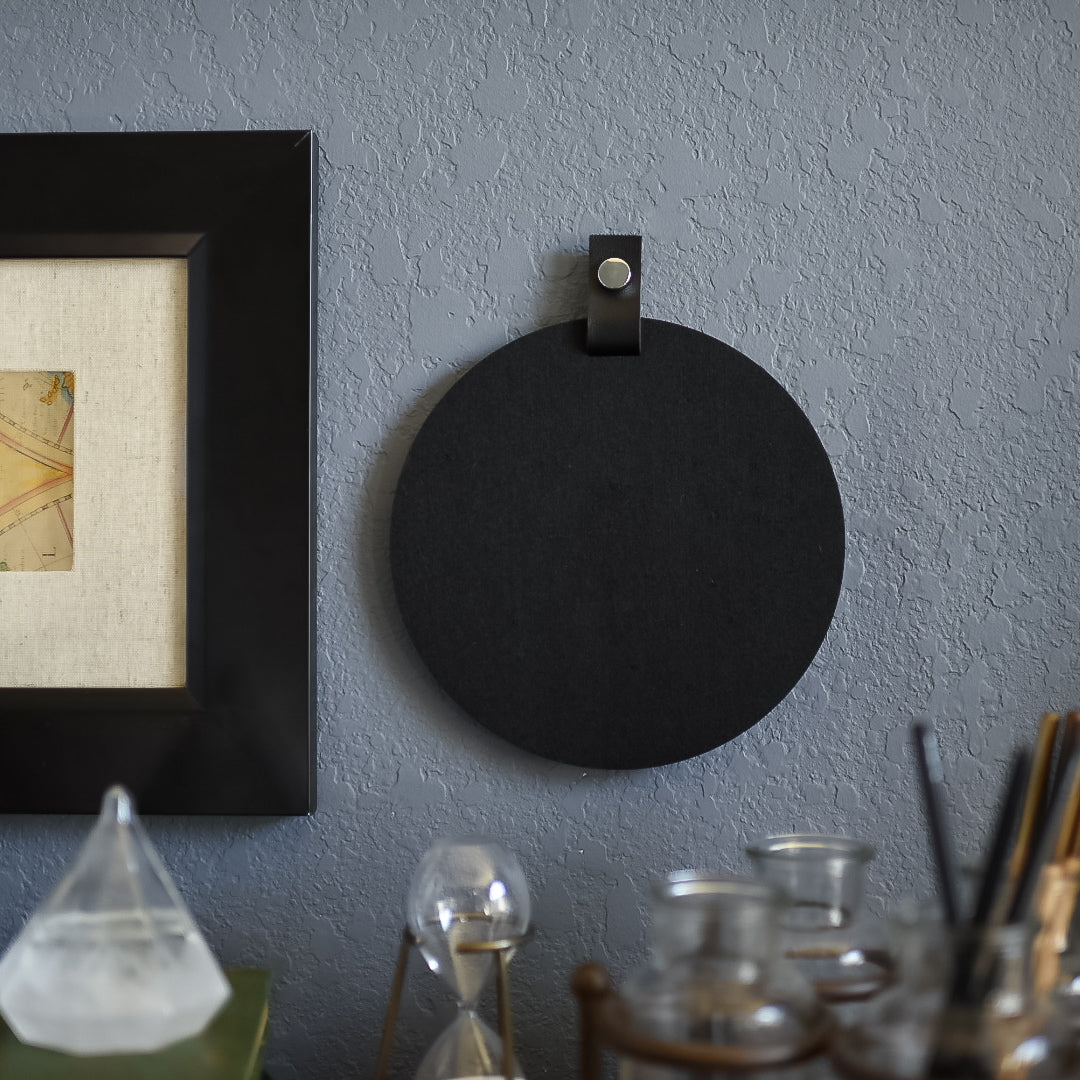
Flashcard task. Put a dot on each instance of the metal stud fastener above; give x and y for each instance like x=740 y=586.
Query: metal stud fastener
x=614 y=274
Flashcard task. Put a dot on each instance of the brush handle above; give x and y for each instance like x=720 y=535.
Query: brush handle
x=932 y=779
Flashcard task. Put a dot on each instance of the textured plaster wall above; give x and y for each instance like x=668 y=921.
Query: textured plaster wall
x=876 y=201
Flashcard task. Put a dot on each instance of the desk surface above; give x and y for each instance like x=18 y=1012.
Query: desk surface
x=231 y=1048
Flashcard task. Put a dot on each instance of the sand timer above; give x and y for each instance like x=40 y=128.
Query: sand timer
x=468 y=910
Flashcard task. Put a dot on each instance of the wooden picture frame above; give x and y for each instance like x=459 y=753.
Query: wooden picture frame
x=240 y=208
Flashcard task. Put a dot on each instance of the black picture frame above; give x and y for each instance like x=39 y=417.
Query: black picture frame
x=240 y=207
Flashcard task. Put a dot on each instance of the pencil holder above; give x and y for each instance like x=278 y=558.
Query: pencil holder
x=963 y=1007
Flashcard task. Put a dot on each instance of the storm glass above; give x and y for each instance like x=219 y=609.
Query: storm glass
x=112 y=962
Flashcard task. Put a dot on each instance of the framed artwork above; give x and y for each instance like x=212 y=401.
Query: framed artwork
x=157 y=319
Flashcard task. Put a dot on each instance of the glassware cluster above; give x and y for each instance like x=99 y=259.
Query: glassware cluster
x=786 y=975
x=781 y=975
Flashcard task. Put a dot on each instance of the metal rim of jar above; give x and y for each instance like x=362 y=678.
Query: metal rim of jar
x=705 y=884
x=811 y=846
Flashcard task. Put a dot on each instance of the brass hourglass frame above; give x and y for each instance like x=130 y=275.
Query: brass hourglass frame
x=606 y=1024
x=503 y=949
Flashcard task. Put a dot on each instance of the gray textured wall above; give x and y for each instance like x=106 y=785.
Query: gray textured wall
x=876 y=201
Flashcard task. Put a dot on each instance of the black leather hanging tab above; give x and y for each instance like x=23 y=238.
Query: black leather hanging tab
x=614 y=325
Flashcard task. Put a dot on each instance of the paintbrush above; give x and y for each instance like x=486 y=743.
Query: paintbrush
x=993 y=876
x=1009 y=813
x=1070 y=735
x=1062 y=808
x=932 y=779
x=1036 y=800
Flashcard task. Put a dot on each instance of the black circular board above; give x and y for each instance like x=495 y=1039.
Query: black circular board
x=617 y=561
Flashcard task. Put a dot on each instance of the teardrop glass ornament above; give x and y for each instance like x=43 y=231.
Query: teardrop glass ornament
x=112 y=962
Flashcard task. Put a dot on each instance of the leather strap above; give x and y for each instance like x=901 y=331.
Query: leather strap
x=614 y=322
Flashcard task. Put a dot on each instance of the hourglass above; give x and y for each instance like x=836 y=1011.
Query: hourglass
x=468 y=910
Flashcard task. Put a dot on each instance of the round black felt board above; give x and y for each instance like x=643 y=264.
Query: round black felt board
x=617 y=562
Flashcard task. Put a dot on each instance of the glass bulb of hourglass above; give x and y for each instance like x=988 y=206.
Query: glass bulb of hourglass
x=468 y=900
x=467 y=893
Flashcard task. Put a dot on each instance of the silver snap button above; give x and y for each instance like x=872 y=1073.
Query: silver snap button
x=614 y=273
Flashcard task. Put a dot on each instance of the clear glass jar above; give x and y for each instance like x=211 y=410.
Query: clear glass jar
x=963 y=1007
x=892 y=1035
x=716 y=978
x=827 y=930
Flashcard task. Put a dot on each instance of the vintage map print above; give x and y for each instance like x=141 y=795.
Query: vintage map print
x=37 y=440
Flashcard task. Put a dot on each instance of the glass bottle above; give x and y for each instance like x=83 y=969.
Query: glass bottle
x=827 y=930
x=716 y=977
